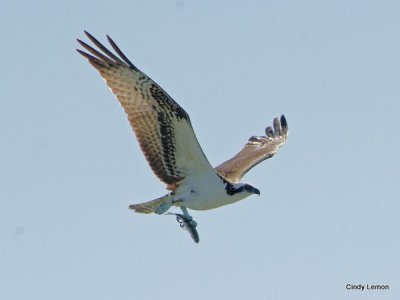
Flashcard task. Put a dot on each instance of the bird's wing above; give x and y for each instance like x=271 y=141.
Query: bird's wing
x=257 y=149
x=163 y=128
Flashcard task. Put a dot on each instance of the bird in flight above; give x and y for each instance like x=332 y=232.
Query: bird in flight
x=166 y=137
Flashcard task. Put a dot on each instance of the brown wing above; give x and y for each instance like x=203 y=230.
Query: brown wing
x=257 y=149
x=162 y=127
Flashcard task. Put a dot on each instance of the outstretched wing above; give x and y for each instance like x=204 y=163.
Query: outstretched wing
x=162 y=127
x=257 y=149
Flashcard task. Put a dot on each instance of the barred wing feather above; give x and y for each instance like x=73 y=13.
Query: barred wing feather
x=162 y=127
x=257 y=149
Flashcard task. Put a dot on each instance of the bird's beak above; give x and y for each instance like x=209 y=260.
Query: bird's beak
x=256 y=191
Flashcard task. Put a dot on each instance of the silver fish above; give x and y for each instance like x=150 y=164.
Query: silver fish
x=189 y=225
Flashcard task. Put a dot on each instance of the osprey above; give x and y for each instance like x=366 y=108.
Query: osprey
x=166 y=137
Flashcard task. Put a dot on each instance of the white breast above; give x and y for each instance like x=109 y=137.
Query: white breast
x=205 y=193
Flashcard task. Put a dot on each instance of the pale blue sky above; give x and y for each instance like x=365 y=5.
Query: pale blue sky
x=328 y=214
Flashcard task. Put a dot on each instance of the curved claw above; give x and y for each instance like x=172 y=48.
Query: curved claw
x=188 y=224
x=180 y=221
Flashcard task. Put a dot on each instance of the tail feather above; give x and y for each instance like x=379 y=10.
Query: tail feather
x=149 y=206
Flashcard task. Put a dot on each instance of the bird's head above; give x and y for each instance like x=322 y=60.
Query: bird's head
x=251 y=189
x=241 y=188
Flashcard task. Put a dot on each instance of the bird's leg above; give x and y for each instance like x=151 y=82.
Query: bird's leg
x=163 y=208
x=188 y=218
x=186 y=222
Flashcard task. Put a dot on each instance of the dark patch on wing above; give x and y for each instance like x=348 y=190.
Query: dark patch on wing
x=166 y=103
x=167 y=142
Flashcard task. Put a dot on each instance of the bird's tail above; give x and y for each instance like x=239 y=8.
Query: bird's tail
x=149 y=206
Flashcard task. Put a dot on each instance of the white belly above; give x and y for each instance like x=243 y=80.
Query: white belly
x=204 y=195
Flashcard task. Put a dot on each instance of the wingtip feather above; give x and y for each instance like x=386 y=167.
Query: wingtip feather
x=88 y=35
x=120 y=53
x=269 y=132
x=284 y=124
x=277 y=126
